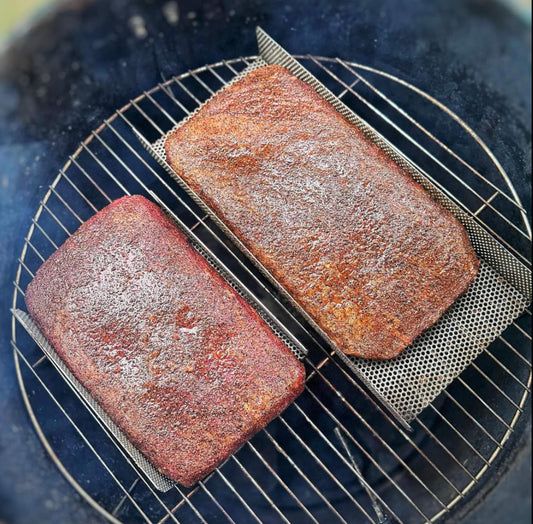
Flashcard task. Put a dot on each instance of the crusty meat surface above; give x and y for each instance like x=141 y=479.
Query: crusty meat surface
x=360 y=246
x=177 y=359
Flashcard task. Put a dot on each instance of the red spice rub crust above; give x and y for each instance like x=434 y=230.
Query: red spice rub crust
x=356 y=242
x=177 y=359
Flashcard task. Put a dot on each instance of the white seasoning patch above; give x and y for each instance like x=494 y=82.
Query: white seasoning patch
x=192 y=331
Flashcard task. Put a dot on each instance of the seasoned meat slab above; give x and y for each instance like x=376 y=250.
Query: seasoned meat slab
x=177 y=359
x=361 y=247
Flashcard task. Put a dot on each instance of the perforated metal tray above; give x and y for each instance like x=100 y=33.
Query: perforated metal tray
x=500 y=293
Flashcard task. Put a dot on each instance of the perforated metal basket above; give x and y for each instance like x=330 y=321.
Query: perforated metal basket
x=501 y=292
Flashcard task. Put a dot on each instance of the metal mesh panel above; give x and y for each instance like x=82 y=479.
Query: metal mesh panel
x=159 y=480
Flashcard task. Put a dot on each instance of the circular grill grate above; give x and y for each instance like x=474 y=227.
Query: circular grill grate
x=334 y=454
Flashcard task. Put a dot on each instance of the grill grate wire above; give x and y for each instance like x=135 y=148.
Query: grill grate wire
x=297 y=465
